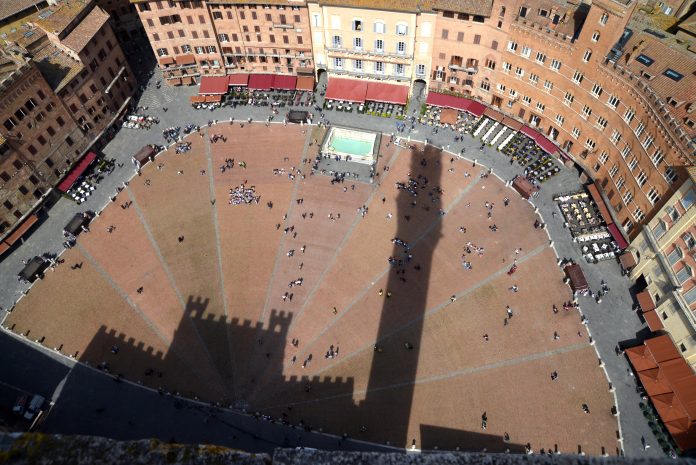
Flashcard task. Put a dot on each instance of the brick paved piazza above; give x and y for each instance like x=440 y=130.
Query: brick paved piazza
x=211 y=321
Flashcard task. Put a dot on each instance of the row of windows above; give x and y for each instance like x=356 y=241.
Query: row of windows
x=378 y=67
x=337 y=42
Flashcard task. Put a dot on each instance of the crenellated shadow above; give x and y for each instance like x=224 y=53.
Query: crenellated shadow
x=200 y=370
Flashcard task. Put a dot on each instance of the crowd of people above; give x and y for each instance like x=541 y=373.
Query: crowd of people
x=244 y=195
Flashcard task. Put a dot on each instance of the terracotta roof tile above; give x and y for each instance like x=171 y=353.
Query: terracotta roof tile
x=12 y=7
x=56 y=66
x=472 y=7
x=388 y=5
x=672 y=72
x=79 y=37
x=57 y=18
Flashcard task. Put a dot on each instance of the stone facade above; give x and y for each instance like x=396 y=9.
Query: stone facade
x=197 y=38
x=665 y=252
x=41 y=140
x=71 y=82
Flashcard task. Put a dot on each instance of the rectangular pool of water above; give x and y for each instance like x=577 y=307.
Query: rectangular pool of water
x=351 y=144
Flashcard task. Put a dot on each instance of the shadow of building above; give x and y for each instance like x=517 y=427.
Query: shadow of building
x=182 y=367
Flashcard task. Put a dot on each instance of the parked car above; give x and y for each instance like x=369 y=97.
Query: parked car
x=20 y=405
x=34 y=406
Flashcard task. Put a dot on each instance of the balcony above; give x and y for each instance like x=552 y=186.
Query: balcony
x=455 y=68
x=378 y=56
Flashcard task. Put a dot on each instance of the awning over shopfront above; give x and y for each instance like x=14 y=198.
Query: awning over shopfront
x=261 y=81
x=187 y=80
x=21 y=230
x=238 y=80
x=284 y=82
x=476 y=108
x=645 y=300
x=460 y=103
x=641 y=358
x=165 y=61
x=653 y=320
x=618 y=237
x=597 y=197
x=494 y=114
x=213 y=85
x=197 y=98
x=527 y=131
x=628 y=260
x=187 y=59
x=447 y=101
x=387 y=93
x=175 y=81
x=350 y=90
x=213 y=98
x=305 y=83
x=546 y=145
x=512 y=124
x=76 y=172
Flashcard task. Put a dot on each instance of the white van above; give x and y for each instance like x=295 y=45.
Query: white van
x=34 y=406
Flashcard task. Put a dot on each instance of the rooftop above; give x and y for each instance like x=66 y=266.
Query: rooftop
x=668 y=69
x=408 y=6
x=561 y=16
x=79 y=37
x=59 y=17
x=12 y=7
x=253 y=2
x=472 y=7
x=56 y=66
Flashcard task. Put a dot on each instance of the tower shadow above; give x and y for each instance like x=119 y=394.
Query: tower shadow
x=311 y=402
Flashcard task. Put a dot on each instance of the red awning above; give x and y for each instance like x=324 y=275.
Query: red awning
x=21 y=229
x=213 y=98
x=618 y=237
x=284 y=82
x=494 y=115
x=597 y=197
x=476 y=108
x=447 y=101
x=213 y=85
x=628 y=260
x=527 y=131
x=546 y=145
x=351 y=90
x=512 y=124
x=645 y=301
x=653 y=319
x=164 y=61
x=4 y=247
x=188 y=59
x=387 y=93
x=305 y=83
x=261 y=81
x=76 y=171
x=197 y=99
x=241 y=79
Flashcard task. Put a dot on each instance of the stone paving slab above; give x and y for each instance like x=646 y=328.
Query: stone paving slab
x=610 y=322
